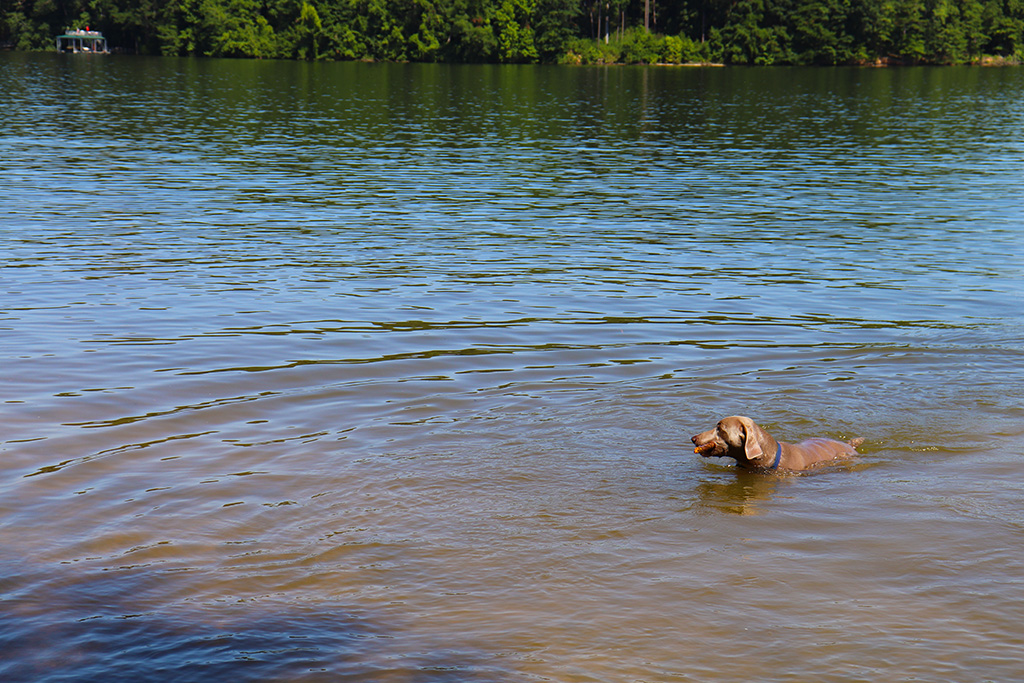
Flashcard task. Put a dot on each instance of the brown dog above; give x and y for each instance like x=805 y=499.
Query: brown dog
x=738 y=437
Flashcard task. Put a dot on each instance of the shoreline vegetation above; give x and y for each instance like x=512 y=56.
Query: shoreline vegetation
x=584 y=32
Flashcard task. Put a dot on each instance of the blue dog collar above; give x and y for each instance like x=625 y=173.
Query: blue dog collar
x=778 y=457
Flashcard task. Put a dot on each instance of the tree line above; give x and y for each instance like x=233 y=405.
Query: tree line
x=755 y=32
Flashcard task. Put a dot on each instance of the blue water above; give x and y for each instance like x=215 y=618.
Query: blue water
x=388 y=372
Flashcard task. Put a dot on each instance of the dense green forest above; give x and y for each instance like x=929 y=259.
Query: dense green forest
x=568 y=31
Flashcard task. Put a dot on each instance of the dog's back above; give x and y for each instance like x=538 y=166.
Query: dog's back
x=812 y=451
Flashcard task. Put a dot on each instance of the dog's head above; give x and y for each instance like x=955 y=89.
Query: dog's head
x=737 y=437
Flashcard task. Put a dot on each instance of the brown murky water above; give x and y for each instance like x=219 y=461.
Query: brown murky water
x=387 y=373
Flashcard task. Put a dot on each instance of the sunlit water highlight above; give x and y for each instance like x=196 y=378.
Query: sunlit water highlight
x=387 y=372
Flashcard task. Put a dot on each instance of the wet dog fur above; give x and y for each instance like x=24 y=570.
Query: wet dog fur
x=753 y=448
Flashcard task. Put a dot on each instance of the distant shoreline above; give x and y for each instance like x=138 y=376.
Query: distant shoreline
x=887 y=63
x=893 y=63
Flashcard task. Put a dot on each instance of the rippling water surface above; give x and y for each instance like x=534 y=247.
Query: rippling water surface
x=387 y=372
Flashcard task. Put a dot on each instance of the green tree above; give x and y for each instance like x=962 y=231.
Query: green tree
x=895 y=29
x=27 y=32
x=641 y=47
x=513 y=31
x=235 y=28
x=953 y=31
x=752 y=36
x=308 y=33
x=34 y=24
x=178 y=32
x=819 y=30
x=736 y=31
x=555 y=27
x=1004 y=25
x=379 y=29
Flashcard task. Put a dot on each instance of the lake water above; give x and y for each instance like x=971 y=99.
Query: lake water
x=364 y=372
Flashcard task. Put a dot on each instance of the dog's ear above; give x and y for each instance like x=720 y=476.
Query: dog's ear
x=751 y=442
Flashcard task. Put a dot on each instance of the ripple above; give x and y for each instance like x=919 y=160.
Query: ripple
x=388 y=371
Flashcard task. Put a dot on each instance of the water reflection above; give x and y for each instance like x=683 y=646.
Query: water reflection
x=738 y=491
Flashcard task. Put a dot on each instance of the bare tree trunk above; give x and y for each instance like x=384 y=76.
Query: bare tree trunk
x=703 y=21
